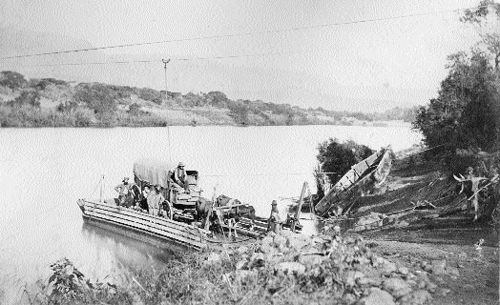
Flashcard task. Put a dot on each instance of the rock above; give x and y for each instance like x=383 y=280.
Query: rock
x=431 y=286
x=377 y=260
x=397 y=287
x=453 y=271
x=421 y=284
x=257 y=260
x=268 y=240
x=377 y=297
x=213 y=258
x=241 y=264
x=423 y=276
x=242 y=250
x=443 y=292
x=290 y=268
x=427 y=267
x=388 y=267
x=349 y=298
x=369 y=281
x=439 y=280
x=416 y=298
x=311 y=260
x=438 y=266
x=462 y=255
x=403 y=270
x=286 y=233
x=267 y=248
x=279 y=240
x=401 y=292
x=350 y=277
x=393 y=284
x=298 y=242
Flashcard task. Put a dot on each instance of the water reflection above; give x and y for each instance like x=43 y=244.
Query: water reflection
x=127 y=248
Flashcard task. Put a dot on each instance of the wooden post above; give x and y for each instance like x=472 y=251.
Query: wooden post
x=301 y=201
x=210 y=211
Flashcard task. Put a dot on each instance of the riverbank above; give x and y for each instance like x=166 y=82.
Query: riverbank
x=50 y=102
x=280 y=269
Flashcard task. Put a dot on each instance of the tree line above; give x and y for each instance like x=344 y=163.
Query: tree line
x=97 y=104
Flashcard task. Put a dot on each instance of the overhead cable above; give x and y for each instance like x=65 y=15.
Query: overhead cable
x=292 y=29
x=159 y=60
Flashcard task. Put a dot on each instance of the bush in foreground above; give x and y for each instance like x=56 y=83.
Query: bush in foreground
x=281 y=269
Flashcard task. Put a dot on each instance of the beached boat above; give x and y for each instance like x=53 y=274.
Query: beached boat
x=367 y=172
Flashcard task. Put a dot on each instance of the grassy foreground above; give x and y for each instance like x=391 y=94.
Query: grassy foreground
x=280 y=269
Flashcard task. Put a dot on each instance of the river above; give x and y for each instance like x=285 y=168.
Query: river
x=44 y=171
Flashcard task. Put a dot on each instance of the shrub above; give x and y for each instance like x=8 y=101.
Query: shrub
x=152 y=95
x=27 y=98
x=13 y=80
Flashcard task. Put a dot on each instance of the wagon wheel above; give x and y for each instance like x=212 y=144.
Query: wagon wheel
x=167 y=208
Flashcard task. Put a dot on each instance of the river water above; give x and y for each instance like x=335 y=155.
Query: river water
x=44 y=171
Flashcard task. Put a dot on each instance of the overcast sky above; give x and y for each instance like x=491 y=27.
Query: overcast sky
x=361 y=66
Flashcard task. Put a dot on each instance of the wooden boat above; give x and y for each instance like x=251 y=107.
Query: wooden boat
x=94 y=211
x=178 y=221
x=335 y=202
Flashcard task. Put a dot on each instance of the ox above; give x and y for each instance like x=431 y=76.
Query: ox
x=203 y=208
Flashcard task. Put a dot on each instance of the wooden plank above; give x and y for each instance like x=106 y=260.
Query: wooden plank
x=176 y=231
x=231 y=206
x=165 y=221
x=148 y=218
x=301 y=201
x=146 y=229
x=169 y=232
x=156 y=220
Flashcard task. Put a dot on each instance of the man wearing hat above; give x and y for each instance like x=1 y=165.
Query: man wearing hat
x=274 y=222
x=123 y=190
x=178 y=178
x=155 y=199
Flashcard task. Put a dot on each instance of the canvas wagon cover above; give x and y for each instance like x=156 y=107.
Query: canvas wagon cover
x=153 y=171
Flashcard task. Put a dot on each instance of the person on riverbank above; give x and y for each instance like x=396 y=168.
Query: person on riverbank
x=178 y=178
x=123 y=190
x=274 y=222
x=155 y=199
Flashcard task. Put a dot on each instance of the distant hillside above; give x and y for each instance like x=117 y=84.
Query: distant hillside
x=52 y=102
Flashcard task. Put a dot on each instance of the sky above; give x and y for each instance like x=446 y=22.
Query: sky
x=299 y=52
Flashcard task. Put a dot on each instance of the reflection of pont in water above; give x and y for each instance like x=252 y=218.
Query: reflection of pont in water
x=116 y=248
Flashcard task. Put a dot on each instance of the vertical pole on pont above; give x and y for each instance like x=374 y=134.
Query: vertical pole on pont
x=165 y=62
x=301 y=201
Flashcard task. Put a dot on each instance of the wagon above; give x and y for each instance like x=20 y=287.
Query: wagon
x=182 y=203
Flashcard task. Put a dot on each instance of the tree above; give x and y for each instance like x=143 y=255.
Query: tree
x=486 y=20
x=466 y=113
